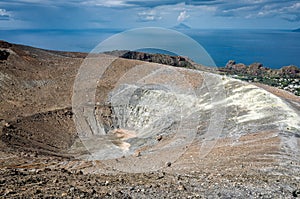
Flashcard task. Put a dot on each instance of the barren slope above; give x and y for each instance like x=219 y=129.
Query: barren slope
x=202 y=135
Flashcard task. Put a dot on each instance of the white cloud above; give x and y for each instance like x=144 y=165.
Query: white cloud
x=5 y=15
x=289 y=12
x=110 y=3
x=150 y=15
x=295 y=6
x=3 y=12
x=182 y=16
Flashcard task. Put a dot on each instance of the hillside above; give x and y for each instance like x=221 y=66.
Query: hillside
x=181 y=26
x=74 y=125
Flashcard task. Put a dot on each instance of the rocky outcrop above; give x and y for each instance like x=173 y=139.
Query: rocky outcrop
x=4 y=55
x=256 y=66
x=232 y=65
x=4 y=44
x=258 y=69
x=253 y=69
x=177 y=61
x=291 y=70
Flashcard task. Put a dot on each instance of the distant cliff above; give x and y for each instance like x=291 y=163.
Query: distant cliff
x=177 y=61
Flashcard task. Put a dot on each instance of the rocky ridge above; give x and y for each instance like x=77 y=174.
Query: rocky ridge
x=286 y=78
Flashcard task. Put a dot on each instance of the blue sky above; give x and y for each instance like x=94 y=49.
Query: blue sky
x=126 y=14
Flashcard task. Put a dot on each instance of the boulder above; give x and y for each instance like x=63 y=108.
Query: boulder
x=255 y=66
x=290 y=70
x=4 y=55
x=239 y=67
x=256 y=69
x=230 y=64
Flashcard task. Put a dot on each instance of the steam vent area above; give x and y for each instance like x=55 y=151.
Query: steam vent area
x=99 y=126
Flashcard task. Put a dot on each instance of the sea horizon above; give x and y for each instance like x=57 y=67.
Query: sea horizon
x=245 y=46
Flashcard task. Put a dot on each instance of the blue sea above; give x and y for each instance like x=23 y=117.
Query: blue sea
x=273 y=48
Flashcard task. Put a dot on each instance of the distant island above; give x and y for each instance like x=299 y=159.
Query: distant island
x=181 y=26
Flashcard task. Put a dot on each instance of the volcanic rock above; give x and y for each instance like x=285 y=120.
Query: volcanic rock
x=4 y=55
x=224 y=137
